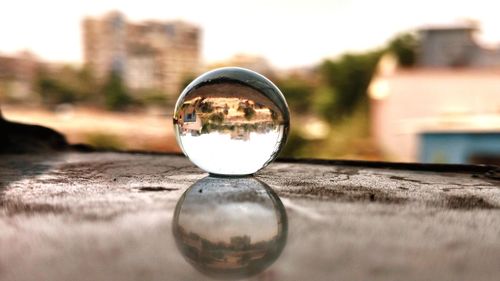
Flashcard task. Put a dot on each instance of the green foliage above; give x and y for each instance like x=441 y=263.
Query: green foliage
x=346 y=79
x=335 y=92
x=249 y=113
x=66 y=85
x=151 y=97
x=295 y=144
x=404 y=46
x=297 y=93
x=104 y=141
x=115 y=93
x=217 y=117
x=349 y=76
x=53 y=92
x=340 y=99
x=206 y=128
x=206 y=106
x=348 y=139
x=323 y=103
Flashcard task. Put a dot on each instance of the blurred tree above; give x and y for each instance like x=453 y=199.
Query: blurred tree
x=206 y=106
x=349 y=77
x=404 y=46
x=115 y=93
x=295 y=144
x=217 y=117
x=298 y=93
x=66 y=85
x=249 y=113
x=53 y=91
x=88 y=86
x=324 y=101
x=340 y=98
x=150 y=97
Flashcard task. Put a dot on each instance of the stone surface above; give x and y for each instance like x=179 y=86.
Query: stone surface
x=108 y=216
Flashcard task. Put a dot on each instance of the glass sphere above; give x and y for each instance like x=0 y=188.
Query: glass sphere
x=231 y=121
x=230 y=228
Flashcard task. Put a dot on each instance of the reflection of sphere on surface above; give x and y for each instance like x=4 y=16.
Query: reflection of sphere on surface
x=230 y=227
x=231 y=121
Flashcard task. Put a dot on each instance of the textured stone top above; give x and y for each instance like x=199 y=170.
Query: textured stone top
x=110 y=216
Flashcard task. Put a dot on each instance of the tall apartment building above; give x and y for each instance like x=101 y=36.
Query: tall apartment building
x=149 y=54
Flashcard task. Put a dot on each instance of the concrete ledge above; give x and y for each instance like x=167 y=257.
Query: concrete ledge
x=108 y=216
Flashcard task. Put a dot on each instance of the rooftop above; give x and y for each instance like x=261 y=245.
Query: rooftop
x=109 y=216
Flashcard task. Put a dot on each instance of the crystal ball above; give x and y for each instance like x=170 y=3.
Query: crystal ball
x=230 y=228
x=231 y=121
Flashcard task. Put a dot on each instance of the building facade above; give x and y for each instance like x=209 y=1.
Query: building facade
x=446 y=109
x=148 y=55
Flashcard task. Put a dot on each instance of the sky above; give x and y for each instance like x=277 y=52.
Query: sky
x=288 y=33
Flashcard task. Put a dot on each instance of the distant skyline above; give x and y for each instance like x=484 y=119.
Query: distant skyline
x=287 y=33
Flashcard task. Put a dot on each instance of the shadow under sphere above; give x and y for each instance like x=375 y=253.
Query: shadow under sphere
x=230 y=228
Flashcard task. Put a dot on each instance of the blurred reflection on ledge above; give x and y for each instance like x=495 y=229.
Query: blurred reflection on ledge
x=230 y=227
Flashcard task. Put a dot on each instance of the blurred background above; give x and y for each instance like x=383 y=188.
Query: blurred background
x=411 y=81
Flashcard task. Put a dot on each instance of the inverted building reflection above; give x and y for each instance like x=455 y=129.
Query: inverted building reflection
x=230 y=228
x=228 y=108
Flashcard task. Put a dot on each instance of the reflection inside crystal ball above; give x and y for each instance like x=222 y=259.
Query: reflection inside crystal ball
x=230 y=227
x=231 y=121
